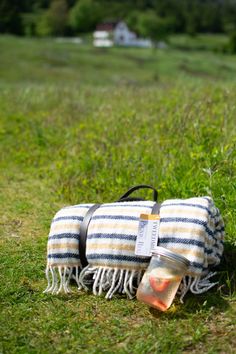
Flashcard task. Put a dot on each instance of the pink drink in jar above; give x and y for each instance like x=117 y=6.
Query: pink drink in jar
x=162 y=278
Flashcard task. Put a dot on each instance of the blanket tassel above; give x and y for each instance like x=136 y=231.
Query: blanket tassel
x=111 y=280
x=197 y=285
x=55 y=285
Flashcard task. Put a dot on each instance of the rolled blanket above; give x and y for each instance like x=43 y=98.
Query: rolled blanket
x=191 y=227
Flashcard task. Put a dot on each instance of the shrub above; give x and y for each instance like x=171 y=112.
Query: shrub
x=232 y=42
x=85 y=15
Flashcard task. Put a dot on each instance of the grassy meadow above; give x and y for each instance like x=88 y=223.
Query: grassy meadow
x=83 y=124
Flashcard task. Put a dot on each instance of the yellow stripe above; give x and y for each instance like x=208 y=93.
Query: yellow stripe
x=174 y=229
x=66 y=246
x=182 y=211
x=64 y=226
x=114 y=226
x=111 y=246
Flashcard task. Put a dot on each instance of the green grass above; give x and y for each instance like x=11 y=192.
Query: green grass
x=207 y=42
x=80 y=124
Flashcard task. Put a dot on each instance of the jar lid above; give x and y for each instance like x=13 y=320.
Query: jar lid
x=174 y=256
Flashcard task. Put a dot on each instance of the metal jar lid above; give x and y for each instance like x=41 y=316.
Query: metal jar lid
x=167 y=253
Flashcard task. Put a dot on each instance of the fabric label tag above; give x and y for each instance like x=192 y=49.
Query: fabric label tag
x=147 y=237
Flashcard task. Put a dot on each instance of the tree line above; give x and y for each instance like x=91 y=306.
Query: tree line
x=72 y=17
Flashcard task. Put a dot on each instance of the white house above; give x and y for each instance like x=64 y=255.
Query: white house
x=102 y=39
x=117 y=33
x=122 y=35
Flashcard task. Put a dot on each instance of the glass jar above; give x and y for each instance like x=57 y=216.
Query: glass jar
x=161 y=280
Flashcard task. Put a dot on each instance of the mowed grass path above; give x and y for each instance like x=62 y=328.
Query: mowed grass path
x=83 y=125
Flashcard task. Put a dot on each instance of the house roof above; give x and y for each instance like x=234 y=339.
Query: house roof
x=107 y=26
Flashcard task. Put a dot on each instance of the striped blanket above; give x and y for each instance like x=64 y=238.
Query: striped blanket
x=191 y=227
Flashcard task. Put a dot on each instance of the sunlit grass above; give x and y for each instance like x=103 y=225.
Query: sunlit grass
x=66 y=141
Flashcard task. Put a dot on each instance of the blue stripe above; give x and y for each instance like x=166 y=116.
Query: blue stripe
x=212 y=233
x=182 y=241
x=115 y=217
x=59 y=236
x=112 y=236
x=218 y=255
x=214 y=253
x=64 y=255
x=214 y=247
x=79 y=218
x=208 y=251
x=218 y=241
x=188 y=220
x=195 y=265
x=222 y=229
x=119 y=258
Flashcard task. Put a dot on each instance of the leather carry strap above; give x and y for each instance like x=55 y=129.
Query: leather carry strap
x=83 y=234
x=126 y=196
x=156 y=209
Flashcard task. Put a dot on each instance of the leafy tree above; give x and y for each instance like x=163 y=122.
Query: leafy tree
x=232 y=42
x=154 y=27
x=132 y=20
x=54 y=20
x=57 y=16
x=50 y=16
x=192 y=25
x=192 y=15
x=29 y=21
x=10 y=19
x=43 y=26
x=85 y=15
x=211 y=18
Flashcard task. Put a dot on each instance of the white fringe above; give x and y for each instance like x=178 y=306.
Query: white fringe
x=119 y=284
x=111 y=281
x=64 y=275
x=51 y=273
x=197 y=285
x=97 y=281
x=101 y=282
x=76 y=276
x=114 y=280
x=113 y=285
x=184 y=287
x=201 y=285
x=48 y=279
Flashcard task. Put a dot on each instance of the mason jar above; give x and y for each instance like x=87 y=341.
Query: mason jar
x=162 y=278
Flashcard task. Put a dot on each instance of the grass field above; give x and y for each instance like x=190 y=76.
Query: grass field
x=80 y=124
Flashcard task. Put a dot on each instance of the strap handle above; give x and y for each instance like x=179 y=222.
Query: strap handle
x=125 y=197
x=83 y=234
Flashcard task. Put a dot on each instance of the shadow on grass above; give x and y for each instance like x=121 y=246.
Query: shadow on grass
x=218 y=298
x=227 y=271
x=195 y=304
